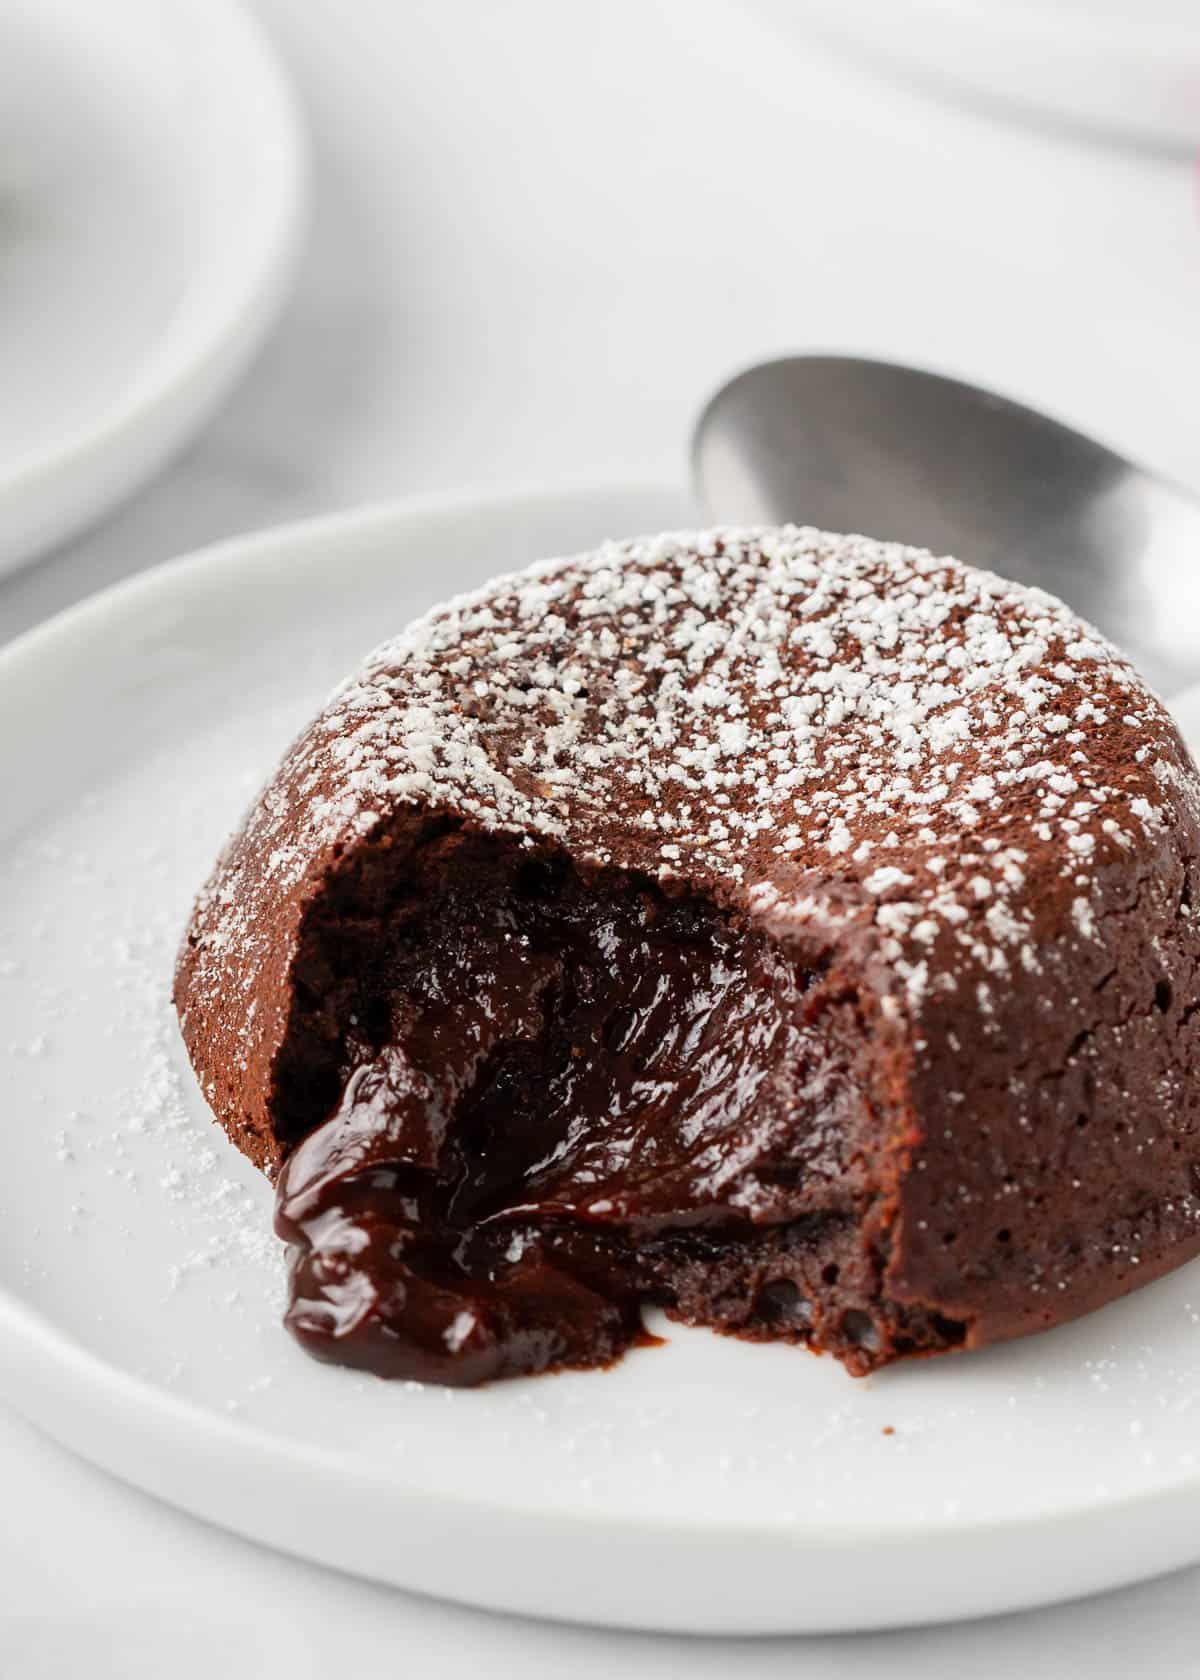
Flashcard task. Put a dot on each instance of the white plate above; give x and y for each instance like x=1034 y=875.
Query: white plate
x=151 y=179
x=705 y=1486
x=1113 y=66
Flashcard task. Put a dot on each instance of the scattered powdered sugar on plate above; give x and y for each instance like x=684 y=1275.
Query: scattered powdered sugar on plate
x=227 y=1219
x=86 y=958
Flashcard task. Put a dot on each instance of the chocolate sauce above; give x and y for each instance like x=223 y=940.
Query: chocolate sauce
x=543 y=1115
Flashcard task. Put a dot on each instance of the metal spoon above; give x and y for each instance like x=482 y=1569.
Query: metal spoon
x=856 y=445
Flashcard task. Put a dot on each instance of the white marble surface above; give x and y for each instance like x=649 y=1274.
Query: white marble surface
x=541 y=233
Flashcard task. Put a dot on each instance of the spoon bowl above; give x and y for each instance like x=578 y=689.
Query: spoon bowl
x=850 y=444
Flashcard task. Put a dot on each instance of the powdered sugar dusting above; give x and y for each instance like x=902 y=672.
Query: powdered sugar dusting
x=823 y=728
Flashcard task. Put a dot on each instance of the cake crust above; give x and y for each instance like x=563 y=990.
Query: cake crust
x=953 y=815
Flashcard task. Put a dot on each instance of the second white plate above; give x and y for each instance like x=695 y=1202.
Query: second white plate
x=151 y=184
x=704 y=1486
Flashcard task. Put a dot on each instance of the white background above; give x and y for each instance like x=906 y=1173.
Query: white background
x=542 y=233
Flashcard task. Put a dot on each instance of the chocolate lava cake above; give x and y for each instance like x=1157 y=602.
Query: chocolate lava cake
x=794 y=931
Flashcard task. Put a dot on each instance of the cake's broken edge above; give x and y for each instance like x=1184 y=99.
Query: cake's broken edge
x=813 y=1272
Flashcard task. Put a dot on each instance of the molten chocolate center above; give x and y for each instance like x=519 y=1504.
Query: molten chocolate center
x=544 y=1083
